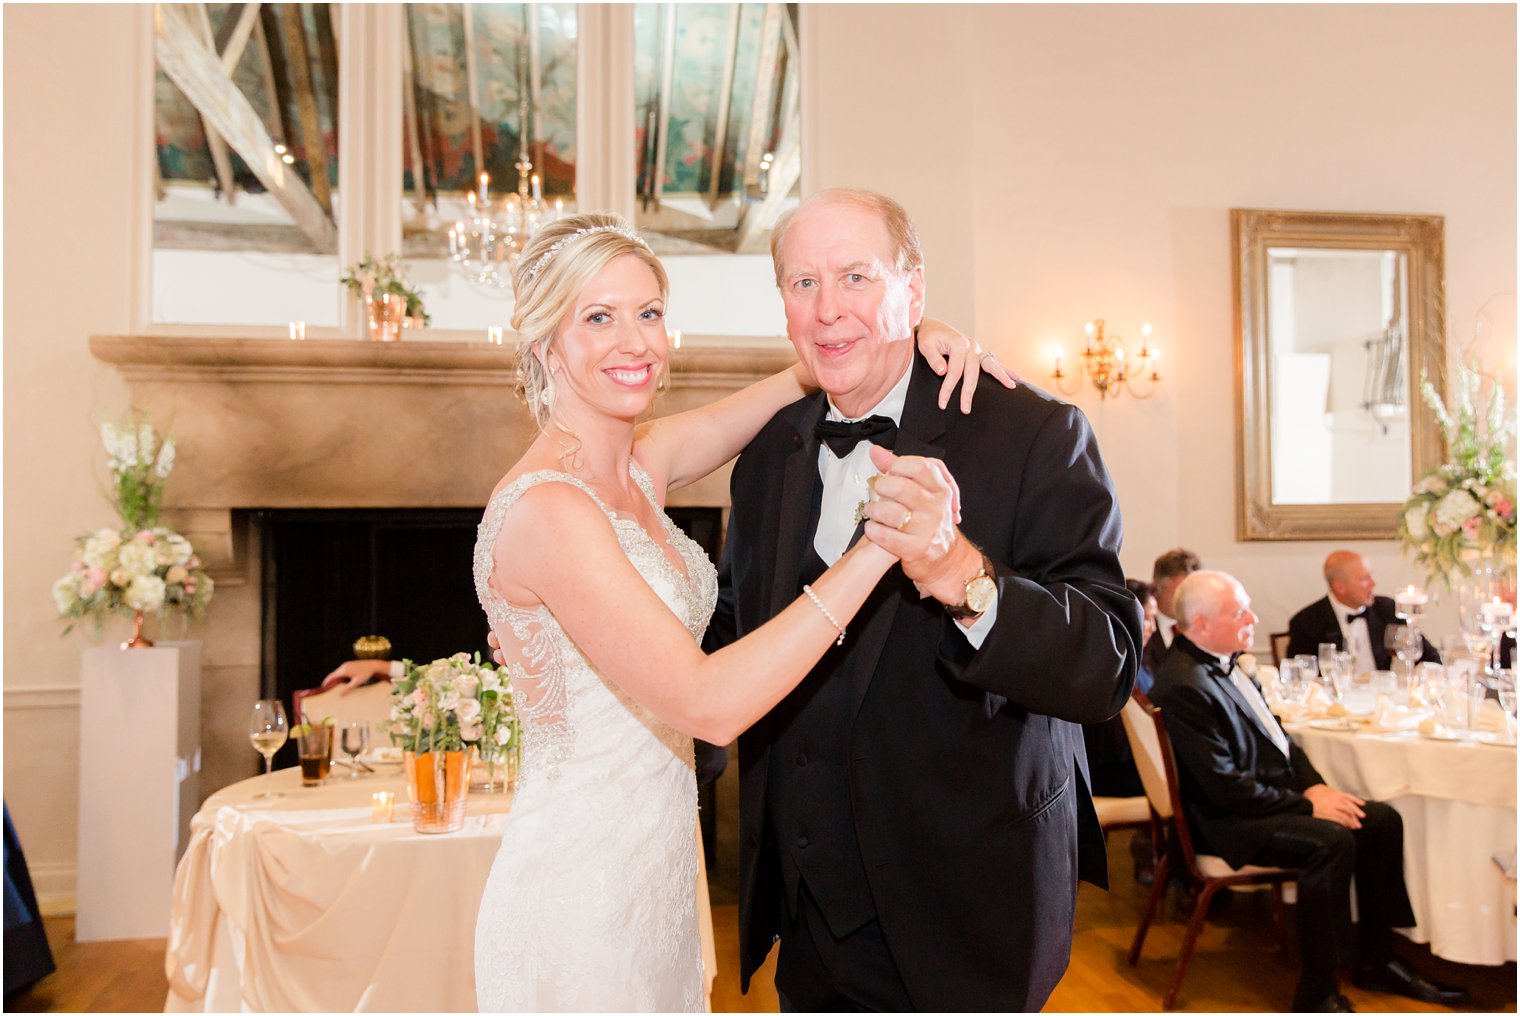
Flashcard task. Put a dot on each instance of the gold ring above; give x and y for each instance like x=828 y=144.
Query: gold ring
x=906 y=519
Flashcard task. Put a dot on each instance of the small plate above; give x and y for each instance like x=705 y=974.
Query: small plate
x=1340 y=723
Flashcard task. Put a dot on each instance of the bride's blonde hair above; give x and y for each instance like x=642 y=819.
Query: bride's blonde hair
x=559 y=262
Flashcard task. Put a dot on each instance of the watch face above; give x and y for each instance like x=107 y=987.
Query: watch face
x=981 y=594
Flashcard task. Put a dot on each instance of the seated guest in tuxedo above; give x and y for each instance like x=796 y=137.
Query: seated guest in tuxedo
x=1252 y=796
x=1110 y=762
x=1166 y=575
x=1350 y=616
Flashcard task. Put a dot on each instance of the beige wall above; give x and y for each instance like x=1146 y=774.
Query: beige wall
x=1065 y=163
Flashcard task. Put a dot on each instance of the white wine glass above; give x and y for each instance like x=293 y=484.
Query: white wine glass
x=268 y=730
x=354 y=738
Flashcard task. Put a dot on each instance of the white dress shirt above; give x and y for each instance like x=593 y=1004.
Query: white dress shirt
x=1167 y=627
x=1354 y=636
x=1258 y=704
x=844 y=487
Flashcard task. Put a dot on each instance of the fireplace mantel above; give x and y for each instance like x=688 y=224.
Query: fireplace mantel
x=264 y=423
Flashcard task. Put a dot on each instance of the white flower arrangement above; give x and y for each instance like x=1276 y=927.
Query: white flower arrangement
x=452 y=704
x=1465 y=509
x=142 y=567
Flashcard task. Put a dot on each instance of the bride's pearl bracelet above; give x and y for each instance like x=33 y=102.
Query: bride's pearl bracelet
x=819 y=604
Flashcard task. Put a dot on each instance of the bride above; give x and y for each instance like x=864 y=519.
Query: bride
x=599 y=604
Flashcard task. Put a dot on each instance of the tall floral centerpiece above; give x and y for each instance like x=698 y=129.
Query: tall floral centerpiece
x=141 y=567
x=439 y=711
x=1463 y=512
x=391 y=300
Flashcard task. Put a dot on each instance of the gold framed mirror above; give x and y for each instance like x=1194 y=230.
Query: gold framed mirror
x=1338 y=316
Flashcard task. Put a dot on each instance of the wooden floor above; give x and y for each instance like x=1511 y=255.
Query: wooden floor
x=1236 y=969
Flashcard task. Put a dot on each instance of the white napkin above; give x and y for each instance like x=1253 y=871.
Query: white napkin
x=1388 y=715
x=1314 y=704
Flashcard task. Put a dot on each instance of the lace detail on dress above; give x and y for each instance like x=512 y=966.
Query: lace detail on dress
x=591 y=902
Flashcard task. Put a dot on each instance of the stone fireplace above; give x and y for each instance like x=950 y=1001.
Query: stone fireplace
x=268 y=426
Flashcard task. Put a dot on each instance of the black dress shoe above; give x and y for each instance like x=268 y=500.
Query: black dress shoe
x=1330 y=1003
x=1396 y=977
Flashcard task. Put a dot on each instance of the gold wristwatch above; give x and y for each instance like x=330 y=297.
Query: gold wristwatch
x=981 y=594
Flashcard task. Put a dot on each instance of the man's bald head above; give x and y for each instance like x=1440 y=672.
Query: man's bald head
x=1214 y=611
x=1349 y=577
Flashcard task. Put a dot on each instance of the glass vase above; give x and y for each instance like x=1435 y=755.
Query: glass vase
x=385 y=313
x=438 y=787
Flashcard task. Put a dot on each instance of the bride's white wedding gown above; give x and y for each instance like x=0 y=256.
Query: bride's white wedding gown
x=591 y=902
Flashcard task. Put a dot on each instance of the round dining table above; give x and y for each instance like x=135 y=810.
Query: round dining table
x=301 y=899
x=1456 y=794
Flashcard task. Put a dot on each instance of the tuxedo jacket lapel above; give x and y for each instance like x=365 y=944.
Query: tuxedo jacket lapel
x=1244 y=706
x=798 y=480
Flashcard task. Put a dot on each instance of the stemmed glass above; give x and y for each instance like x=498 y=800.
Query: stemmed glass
x=267 y=731
x=354 y=740
x=1504 y=684
x=1405 y=642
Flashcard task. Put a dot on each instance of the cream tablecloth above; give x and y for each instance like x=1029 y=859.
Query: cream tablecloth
x=1457 y=799
x=303 y=903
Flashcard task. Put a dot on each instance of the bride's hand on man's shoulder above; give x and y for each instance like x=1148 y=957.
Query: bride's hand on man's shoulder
x=958 y=358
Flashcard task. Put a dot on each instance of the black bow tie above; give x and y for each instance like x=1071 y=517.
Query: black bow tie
x=1227 y=667
x=1352 y=615
x=842 y=437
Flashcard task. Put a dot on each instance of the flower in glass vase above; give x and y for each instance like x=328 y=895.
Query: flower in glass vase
x=453 y=704
x=371 y=280
x=142 y=567
x=1464 y=510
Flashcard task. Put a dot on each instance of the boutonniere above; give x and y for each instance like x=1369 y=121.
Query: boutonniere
x=871 y=495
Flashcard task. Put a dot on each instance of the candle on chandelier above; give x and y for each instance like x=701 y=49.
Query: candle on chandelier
x=538 y=193
x=485 y=181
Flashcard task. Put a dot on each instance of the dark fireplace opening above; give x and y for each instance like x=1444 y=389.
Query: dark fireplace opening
x=333 y=575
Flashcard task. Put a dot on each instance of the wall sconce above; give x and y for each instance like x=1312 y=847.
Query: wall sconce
x=1105 y=364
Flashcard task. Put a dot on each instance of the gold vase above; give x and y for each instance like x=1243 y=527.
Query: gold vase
x=138 y=639
x=438 y=786
x=385 y=313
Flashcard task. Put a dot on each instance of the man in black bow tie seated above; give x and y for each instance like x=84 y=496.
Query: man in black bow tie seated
x=1252 y=796
x=1350 y=616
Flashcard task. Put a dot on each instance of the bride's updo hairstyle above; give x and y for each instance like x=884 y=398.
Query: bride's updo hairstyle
x=557 y=264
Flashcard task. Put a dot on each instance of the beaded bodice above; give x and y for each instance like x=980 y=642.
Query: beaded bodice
x=543 y=662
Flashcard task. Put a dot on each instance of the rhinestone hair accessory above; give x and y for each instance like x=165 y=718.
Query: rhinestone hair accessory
x=548 y=255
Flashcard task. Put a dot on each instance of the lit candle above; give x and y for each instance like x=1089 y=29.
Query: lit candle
x=470 y=197
x=1496 y=613
x=298 y=331
x=382 y=803
x=1058 y=362
x=1089 y=331
x=485 y=181
x=675 y=339
x=538 y=194
x=494 y=335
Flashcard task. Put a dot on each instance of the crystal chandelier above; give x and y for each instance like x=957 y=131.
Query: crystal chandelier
x=487 y=242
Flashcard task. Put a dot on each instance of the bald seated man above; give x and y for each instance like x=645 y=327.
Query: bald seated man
x=1251 y=796
x=1350 y=616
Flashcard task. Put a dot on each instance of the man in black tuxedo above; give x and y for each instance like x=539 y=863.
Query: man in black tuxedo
x=909 y=817
x=1252 y=796
x=1350 y=615
x=1167 y=574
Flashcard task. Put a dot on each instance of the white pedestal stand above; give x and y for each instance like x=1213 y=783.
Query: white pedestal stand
x=139 y=784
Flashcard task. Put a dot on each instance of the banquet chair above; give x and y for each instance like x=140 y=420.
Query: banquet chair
x=1208 y=873
x=371 y=704
x=1279 y=642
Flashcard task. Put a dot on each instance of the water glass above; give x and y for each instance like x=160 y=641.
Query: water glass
x=1327 y=651
x=355 y=739
x=1427 y=688
x=1291 y=680
x=316 y=753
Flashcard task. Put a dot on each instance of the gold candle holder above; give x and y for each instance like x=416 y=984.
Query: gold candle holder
x=382 y=804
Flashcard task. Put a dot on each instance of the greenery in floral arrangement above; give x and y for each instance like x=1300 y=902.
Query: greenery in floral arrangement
x=142 y=566
x=388 y=275
x=452 y=704
x=1465 y=509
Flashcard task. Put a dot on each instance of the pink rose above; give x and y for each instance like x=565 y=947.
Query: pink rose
x=145 y=536
x=1504 y=508
x=96 y=576
x=1470 y=528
